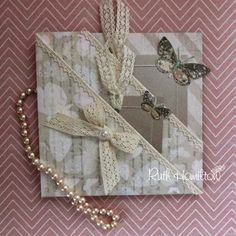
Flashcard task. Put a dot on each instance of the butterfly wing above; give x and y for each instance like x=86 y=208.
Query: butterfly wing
x=164 y=111
x=156 y=114
x=160 y=111
x=167 y=56
x=194 y=70
x=185 y=72
x=165 y=50
x=164 y=65
x=181 y=77
x=148 y=101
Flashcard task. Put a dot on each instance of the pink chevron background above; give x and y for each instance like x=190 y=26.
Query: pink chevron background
x=23 y=212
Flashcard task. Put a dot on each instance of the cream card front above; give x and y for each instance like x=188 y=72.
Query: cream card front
x=77 y=158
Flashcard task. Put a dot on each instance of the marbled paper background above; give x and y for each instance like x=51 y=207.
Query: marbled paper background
x=23 y=212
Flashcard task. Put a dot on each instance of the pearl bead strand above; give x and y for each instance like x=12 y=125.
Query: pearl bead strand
x=104 y=218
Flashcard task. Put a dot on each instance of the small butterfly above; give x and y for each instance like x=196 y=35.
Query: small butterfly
x=168 y=62
x=148 y=105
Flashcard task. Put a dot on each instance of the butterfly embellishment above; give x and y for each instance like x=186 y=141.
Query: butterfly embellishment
x=168 y=62
x=157 y=111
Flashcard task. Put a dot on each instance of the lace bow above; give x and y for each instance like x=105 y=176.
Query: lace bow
x=109 y=140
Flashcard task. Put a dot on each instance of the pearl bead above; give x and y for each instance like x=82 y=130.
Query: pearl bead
x=36 y=162
x=22 y=95
x=24 y=125
x=115 y=217
x=103 y=211
x=22 y=117
x=108 y=226
x=28 y=148
x=76 y=198
x=80 y=208
x=110 y=212
x=24 y=132
x=113 y=224
x=48 y=170
x=54 y=177
x=104 y=135
x=95 y=211
x=28 y=91
x=86 y=211
x=104 y=227
x=26 y=140
x=70 y=195
x=94 y=217
x=19 y=110
x=89 y=210
x=31 y=155
x=82 y=200
x=60 y=182
x=100 y=222
x=19 y=102
x=41 y=167
x=64 y=189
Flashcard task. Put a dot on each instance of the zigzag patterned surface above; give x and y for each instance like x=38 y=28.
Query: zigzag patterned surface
x=23 y=212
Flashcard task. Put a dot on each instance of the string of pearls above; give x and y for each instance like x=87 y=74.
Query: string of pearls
x=106 y=219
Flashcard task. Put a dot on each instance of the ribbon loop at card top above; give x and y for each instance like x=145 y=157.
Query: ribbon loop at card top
x=109 y=140
x=115 y=76
x=115 y=27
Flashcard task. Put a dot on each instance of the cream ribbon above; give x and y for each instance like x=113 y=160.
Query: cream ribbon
x=115 y=77
x=115 y=26
x=109 y=140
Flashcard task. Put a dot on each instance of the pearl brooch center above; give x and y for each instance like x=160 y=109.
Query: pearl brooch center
x=104 y=134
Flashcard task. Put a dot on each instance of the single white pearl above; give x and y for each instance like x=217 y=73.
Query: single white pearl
x=104 y=135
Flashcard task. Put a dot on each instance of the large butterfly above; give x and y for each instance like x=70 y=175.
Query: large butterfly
x=158 y=111
x=168 y=62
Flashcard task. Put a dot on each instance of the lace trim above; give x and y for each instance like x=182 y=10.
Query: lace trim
x=114 y=115
x=192 y=138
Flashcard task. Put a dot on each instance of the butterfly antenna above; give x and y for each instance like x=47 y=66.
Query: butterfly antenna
x=188 y=59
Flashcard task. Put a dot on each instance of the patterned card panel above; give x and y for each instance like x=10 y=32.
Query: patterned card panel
x=77 y=158
x=22 y=210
